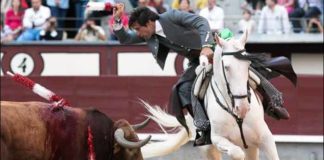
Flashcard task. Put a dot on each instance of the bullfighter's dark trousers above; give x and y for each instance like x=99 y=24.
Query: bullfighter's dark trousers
x=189 y=101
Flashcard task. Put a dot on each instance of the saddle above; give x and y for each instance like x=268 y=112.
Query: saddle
x=204 y=74
x=202 y=80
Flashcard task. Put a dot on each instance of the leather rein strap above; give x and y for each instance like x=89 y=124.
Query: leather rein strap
x=239 y=121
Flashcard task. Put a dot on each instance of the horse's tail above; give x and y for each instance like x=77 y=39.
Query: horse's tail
x=173 y=141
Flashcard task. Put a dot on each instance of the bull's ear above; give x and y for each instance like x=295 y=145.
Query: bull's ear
x=244 y=37
x=219 y=40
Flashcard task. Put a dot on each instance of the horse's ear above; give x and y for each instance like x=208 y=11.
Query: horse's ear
x=219 y=40
x=244 y=37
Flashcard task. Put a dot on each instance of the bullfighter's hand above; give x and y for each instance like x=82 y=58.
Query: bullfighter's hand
x=206 y=55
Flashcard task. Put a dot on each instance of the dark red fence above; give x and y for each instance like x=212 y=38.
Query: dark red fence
x=119 y=97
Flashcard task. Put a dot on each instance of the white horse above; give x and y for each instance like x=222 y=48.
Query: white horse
x=228 y=100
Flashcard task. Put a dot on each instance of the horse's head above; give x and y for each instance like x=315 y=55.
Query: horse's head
x=233 y=72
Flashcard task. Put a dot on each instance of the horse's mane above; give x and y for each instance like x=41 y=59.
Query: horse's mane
x=257 y=60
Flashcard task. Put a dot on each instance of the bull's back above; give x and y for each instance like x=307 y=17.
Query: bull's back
x=31 y=130
x=22 y=129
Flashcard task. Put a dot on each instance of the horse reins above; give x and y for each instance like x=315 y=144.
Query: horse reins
x=248 y=95
x=239 y=121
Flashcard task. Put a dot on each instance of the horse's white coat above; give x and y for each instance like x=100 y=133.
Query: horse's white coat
x=225 y=134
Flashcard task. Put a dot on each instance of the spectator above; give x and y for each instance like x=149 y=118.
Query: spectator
x=6 y=4
x=33 y=21
x=254 y=6
x=258 y=9
x=80 y=6
x=251 y=4
x=247 y=23
x=184 y=5
x=134 y=3
x=146 y=3
x=214 y=15
x=274 y=19
x=313 y=14
x=175 y=4
x=124 y=20
x=314 y=22
x=6 y=33
x=14 y=17
x=90 y=32
x=58 y=9
x=288 y=4
x=201 y=4
x=50 y=31
x=160 y=6
x=314 y=10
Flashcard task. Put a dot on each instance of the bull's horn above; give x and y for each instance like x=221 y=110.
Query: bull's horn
x=120 y=139
x=141 y=125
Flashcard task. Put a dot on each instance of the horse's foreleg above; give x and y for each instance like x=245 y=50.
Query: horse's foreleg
x=252 y=153
x=225 y=146
x=211 y=152
x=268 y=146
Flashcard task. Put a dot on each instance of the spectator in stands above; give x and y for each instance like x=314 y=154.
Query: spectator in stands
x=80 y=6
x=252 y=4
x=90 y=32
x=6 y=33
x=255 y=6
x=124 y=21
x=247 y=23
x=33 y=21
x=160 y=6
x=258 y=10
x=184 y=5
x=288 y=4
x=14 y=17
x=310 y=9
x=50 y=32
x=59 y=9
x=7 y=4
x=134 y=3
x=214 y=15
x=201 y=4
x=175 y=4
x=274 y=19
x=146 y=3
x=314 y=22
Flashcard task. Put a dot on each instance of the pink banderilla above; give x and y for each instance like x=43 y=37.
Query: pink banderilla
x=39 y=90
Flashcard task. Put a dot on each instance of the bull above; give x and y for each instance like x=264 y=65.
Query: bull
x=33 y=131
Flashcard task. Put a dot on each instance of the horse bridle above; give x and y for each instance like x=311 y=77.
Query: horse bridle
x=248 y=95
x=229 y=92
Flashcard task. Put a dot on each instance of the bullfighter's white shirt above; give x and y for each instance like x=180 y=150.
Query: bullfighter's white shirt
x=159 y=29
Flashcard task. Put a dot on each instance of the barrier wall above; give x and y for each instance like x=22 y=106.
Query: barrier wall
x=113 y=77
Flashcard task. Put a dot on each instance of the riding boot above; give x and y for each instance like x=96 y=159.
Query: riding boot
x=201 y=121
x=202 y=138
x=276 y=111
x=272 y=98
